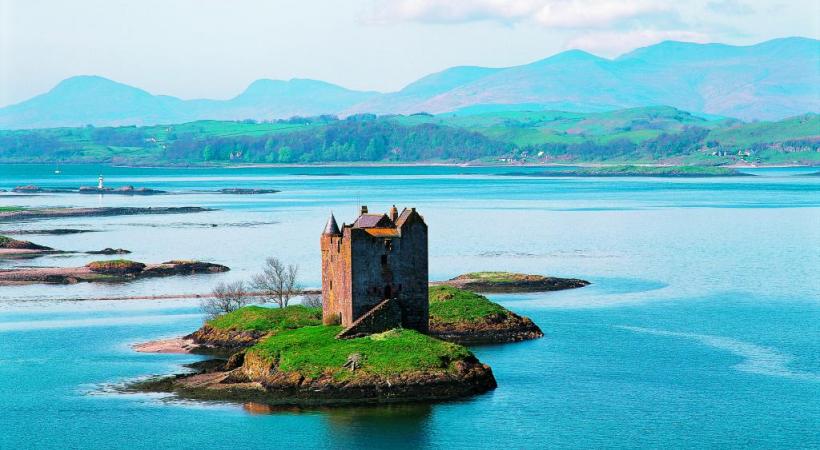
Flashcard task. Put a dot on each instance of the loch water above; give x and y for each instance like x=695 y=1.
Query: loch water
x=700 y=328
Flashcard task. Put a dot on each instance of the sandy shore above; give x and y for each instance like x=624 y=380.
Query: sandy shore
x=173 y=345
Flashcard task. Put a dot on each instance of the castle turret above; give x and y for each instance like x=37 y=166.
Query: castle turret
x=332 y=228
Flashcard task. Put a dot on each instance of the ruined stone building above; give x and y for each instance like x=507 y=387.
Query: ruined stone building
x=374 y=272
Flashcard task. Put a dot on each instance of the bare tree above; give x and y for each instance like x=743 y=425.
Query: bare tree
x=225 y=297
x=277 y=283
x=312 y=300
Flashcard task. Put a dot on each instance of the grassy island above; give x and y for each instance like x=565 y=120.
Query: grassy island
x=465 y=317
x=509 y=282
x=285 y=356
x=315 y=352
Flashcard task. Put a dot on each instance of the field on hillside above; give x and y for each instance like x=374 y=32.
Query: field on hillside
x=637 y=135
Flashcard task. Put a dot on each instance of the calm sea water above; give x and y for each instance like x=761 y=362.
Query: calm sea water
x=700 y=328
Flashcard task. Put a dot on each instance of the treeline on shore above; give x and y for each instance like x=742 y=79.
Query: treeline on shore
x=364 y=138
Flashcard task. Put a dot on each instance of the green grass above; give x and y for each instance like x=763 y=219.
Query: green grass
x=11 y=208
x=450 y=305
x=258 y=318
x=498 y=277
x=313 y=351
x=5 y=240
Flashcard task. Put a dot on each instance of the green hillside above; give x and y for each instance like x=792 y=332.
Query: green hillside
x=651 y=134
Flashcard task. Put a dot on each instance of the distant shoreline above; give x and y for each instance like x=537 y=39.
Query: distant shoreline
x=403 y=164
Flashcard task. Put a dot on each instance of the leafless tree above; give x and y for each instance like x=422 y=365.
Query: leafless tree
x=312 y=300
x=277 y=283
x=225 y=297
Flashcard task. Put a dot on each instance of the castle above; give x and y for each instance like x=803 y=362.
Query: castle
x=374 y=272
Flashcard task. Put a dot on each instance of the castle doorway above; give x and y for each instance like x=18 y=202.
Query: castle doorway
x=388 y=293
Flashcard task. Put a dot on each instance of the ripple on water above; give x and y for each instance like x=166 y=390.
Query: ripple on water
x=756 y=358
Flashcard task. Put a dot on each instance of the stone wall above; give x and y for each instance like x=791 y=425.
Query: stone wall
x=360 y=269
x=384 y=316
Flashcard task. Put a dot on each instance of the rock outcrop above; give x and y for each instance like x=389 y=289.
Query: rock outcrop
x=109 y=251
x=493 y=329
x=506 y=282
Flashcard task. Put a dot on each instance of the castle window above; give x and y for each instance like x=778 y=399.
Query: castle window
x=384 y=260
x=388 y=244
x=330 y=285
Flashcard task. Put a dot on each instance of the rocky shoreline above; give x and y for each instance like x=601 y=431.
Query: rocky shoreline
x=258 y=382
x=47 y=213
x=498 y=329
x=97 y=272
x=252 y=375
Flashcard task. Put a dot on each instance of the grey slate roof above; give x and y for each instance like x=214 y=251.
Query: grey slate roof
x=332 y=227
x=373 y=220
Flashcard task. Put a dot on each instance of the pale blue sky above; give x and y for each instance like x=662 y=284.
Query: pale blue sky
x=215 y=48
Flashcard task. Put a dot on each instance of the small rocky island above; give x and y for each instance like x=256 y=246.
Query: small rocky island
x=286 y=356
x=117 y=270
x=382 y=335
x=510 y=283
x=18 y=248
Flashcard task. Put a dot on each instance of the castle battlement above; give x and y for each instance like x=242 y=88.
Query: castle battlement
x=379 y=257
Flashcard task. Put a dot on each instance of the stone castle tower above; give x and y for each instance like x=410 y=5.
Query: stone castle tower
x=374 y=272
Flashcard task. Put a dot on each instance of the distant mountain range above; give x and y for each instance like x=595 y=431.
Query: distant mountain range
x=770 y=80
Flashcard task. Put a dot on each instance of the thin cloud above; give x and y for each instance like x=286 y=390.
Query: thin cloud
x=548 y=13
x=730 y=7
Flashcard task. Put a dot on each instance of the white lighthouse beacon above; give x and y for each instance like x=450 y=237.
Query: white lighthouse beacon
x=100 y=182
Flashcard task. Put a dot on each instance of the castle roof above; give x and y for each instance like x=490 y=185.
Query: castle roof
x=373 y=221
x=332 y=227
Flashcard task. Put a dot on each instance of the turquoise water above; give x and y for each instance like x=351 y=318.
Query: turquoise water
x=699 y=330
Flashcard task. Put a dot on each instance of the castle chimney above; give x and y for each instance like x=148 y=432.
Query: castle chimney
x=364 y=210
x=394 y=214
